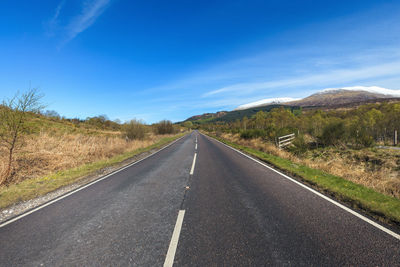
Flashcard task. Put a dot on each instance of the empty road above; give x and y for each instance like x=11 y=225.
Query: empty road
x=195 y=203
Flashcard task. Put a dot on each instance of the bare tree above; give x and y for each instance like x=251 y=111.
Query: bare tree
x=13 y=115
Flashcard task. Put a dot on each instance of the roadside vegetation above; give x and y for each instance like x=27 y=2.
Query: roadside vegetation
x=13 y=116
x=41 y=151
x=39 y=185
x=340 y=142
x=382 y=207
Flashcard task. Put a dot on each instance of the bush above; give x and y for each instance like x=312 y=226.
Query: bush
x=300 y=147
x=333 y=133
x=135 y=129
x=188 y=125
x=252 y=133
x=366 y=140
x=164 y=127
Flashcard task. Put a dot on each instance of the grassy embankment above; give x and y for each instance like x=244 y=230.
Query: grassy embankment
x=57 y=153
x=383 y=207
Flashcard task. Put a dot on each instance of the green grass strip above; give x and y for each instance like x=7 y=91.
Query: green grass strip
x=31 y=188
x=383 y=207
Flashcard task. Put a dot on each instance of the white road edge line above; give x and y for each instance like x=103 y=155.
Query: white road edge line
x=193 y=164
x=380 y=227
x=169 y=259
x=83 y=187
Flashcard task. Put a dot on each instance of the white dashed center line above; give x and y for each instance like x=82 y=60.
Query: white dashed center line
x=193 y=164
x=169 y=259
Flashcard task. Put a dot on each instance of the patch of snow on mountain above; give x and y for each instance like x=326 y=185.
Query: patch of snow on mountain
x=371 y=89
x=266 y=101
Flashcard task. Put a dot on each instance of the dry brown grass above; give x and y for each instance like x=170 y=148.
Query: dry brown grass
x=48 y=153
x=377 y=169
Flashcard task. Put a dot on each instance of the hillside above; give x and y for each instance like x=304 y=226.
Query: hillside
x=234 y=115
x=53 y=144
x=337 y=97
x=347 y=97
x=331 y=97
x=207 y=117
x=240 y=114
x=266 y=102
x=229 y=116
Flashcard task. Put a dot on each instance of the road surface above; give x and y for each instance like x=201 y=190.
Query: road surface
x=218 y=208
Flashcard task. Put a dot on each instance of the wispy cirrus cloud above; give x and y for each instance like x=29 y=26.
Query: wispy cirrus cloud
x=251 y=79
x=323 y=79
x=366 y=53
x=77 y=22
x=91 y=10
x=52 y=24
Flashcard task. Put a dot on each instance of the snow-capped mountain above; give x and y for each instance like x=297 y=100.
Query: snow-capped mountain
x=331 y=97
x=345 y=96
x=267 y=101
x=370 y=89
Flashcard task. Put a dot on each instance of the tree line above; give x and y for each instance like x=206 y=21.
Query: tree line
x=358 y=127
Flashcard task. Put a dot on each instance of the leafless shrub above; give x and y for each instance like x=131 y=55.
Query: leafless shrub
x=164 y=127
x=13 y=113
x=135 y=129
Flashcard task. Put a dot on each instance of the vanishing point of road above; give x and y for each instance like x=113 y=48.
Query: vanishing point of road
x=196 y=202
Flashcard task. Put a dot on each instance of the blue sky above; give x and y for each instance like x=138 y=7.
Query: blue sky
x=156 y=60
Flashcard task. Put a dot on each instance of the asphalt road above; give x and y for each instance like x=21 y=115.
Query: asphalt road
x=236 y=213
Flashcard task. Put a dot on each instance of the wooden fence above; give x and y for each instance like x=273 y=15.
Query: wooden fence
x=285 y=140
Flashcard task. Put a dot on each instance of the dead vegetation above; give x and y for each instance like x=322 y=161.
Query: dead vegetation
x=34 y=143
x=13 y=117
x=46 y=153
x=374 y=168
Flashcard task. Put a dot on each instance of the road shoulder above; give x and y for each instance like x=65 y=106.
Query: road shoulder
x=374 y=205
x=17 y=209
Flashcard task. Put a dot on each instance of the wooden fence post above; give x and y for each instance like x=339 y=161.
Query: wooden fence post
x=395 y=138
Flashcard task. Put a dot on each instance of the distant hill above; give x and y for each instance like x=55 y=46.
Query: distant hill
x=240 y=114
x=206 y=117
x=337 y=97
x=331 y=97
x=266 y=102
x=347 y=97
x=231 y=116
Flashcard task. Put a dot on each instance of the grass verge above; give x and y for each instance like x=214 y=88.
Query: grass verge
x=32 y=188
x=382 y=207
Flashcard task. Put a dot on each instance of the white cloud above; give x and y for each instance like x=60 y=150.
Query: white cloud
x=57 y=12
x=52 y=24
x=91 y=10
x=341 y=76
